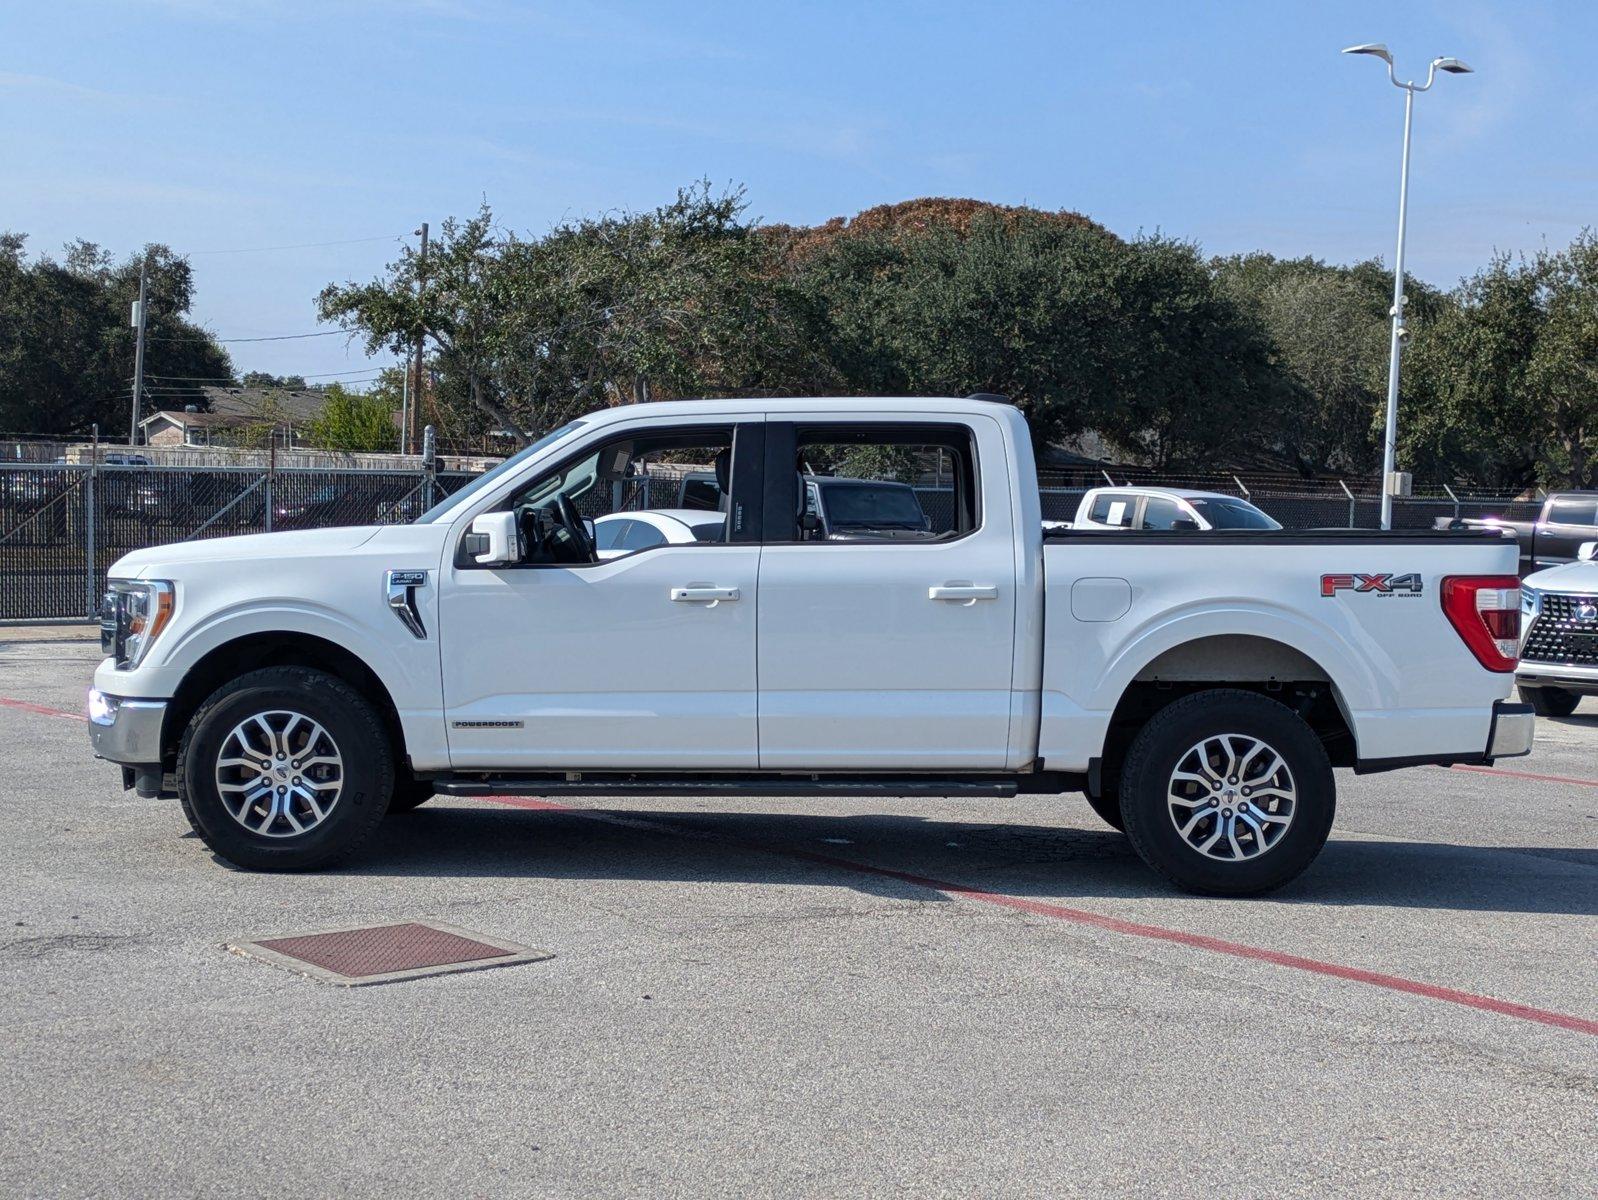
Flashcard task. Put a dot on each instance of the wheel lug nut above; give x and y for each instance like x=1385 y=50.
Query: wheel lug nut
x=1225 y=812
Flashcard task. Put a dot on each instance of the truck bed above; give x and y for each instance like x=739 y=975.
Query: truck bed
x=1176 y=608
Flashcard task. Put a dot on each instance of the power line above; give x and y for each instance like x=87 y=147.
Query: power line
x=390 y=237
x=281 y=337
x=232 y=379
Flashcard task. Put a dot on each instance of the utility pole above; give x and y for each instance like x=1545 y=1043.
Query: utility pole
x=138 y=353
x=416 y=388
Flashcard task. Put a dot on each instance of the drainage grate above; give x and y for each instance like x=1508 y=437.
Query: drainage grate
x=387 y=953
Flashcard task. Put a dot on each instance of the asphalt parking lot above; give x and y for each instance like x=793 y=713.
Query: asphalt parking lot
x=802 y=998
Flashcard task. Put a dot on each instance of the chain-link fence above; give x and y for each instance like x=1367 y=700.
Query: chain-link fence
x=62 y=526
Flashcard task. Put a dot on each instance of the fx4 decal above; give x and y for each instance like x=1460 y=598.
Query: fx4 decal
x=1381 y=585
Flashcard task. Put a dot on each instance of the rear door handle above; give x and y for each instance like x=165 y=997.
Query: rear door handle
x=963 y=593
x=689 y=595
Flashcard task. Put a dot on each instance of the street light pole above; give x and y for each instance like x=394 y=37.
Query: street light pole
x=1396 y=346
x=1399 y=331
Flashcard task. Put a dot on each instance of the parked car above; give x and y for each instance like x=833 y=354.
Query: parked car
x=1559 y=635
x=619 y=534
x=1177 y=509
x=700 y=491
x=1567 y=521
x=837 y=509
x=294 y=687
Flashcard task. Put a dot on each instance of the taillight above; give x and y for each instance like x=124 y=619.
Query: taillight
x=1485 y=611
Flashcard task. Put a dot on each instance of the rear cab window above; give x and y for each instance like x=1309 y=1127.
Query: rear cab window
x=891 y=483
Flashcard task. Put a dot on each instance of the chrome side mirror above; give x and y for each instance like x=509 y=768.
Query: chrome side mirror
x=497 y=538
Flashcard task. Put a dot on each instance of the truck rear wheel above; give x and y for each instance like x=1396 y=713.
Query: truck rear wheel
x=1227 y=792
x=1550 y=701
x=285 y=769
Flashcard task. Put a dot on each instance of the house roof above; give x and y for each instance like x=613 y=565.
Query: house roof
x=234 y=406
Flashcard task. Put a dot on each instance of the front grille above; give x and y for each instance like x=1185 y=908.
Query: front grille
x=1564 y=632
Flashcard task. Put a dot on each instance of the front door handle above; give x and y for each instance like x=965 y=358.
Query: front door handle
x=963 y=593
x=691 y=595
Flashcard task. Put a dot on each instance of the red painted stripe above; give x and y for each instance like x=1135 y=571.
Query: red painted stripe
x=42 y=710
x=1579 y=782
x=1080 y=916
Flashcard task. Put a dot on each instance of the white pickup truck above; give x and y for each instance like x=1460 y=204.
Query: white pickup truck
x=1200 y=687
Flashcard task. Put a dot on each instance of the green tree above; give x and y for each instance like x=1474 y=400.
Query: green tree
x=353 y=422
x=1328 y=328
x=66 y=344
x=1563 y=371
x=525 y=333
x=1082 y=330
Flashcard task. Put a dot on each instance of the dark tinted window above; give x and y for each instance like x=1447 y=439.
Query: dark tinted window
x=856 y=504
x=640 y=535
x=1231 y=514
x=608 y=534
x=1573 y=510
x=1161 y=512
x=701 y=494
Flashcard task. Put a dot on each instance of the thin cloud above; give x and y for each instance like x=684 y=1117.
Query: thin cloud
x=44 y=84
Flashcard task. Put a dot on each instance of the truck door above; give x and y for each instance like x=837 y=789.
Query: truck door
x=883 y=644
x=642 y=661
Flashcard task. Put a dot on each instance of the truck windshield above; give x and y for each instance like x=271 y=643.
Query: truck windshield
x=875 y=505
x=488 y=478
x=1231 y=514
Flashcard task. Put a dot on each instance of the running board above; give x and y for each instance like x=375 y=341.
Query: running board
x=590 y=784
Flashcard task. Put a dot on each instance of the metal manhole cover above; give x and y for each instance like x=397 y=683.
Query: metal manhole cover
x=387 y=953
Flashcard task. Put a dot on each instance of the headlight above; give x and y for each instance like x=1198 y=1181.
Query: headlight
x=132 y=616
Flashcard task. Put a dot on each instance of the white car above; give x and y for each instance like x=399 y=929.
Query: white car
x=623 y=533
x=1178 y=509
x=1559 y=635
x=293 y=688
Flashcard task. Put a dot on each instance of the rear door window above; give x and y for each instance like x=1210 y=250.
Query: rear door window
x=1161 y=512
x=1573 y=510
x=1111 y=509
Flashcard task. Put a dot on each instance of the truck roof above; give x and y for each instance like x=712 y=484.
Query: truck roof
x=1151 y=490
x=806 y=404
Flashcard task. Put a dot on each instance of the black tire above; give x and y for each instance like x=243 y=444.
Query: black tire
x=1160 y=747
x=355 y=728
x=1550 y=701
x=409 y=793
x=1108 y=807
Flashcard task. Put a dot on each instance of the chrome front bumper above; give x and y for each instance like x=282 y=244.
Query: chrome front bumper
x=1560 y=675
x=126 y=731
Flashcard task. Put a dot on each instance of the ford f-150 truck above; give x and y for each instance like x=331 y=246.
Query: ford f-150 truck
x=1567 y=521
x=293 y=688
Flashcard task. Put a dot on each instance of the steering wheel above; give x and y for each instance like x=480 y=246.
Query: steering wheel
x=570 y=520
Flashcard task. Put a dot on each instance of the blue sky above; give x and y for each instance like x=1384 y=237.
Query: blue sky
x=240 y=124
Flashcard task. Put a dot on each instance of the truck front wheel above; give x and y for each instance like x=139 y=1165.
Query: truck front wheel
x=285 y=769
x=1227 y=792
x=1550 y=701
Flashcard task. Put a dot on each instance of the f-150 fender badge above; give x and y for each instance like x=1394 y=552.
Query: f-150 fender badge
x=400 y=589
x=486 y=724
x=1379 y=585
